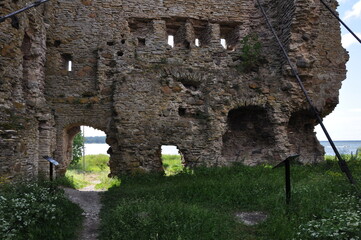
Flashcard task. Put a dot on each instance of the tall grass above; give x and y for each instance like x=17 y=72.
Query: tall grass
x=203 y=205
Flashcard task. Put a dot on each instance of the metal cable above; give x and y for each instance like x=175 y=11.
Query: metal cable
x=34 y=4
x=339 y=19
x=342 y=163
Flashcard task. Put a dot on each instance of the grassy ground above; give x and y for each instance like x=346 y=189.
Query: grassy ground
x=37 y=210
x=202 y=204
x=198 y=204
x=95 y=172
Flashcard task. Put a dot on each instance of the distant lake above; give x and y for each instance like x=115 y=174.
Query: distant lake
x=344 y=147
x=96 y=148
x=101 y=148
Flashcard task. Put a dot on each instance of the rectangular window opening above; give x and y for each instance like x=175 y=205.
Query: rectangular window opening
x=171 y=40
x=69 y=65
x=67 y=61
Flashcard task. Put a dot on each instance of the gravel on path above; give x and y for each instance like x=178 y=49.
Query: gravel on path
x=89 y=200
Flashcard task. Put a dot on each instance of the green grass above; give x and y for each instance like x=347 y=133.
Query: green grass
x=37 y=210
x=172 y=164
x=96 y=169
x=93 y=163
x=202 y=204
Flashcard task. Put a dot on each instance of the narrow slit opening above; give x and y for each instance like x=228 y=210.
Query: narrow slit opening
x=197 y=43
x=224 y=43
x=69 y=65
x=171 y=40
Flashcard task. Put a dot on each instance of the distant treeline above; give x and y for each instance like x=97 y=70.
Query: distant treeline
x=98 y=139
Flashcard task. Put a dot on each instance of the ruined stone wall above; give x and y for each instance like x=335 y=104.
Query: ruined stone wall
x=126 y=79
x=25 y=121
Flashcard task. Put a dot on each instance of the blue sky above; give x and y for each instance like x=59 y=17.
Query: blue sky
x=344 y=123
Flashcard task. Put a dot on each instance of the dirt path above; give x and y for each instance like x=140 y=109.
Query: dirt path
x=89 y=200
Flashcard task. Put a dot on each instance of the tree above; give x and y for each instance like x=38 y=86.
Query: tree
x=78 y=144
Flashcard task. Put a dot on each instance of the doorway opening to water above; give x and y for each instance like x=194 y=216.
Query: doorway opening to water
x=89 y=166
x=172 y=160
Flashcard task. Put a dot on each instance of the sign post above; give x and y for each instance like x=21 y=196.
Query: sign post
x=287 y=164
x=51 y=163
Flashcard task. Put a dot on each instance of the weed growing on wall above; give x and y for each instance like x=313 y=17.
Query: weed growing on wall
x=251 y=53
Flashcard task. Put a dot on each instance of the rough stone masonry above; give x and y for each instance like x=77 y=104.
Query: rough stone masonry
x=108 y=65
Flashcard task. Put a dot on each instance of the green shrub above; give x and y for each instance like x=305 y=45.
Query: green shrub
x=78 y=144
x=251 y=53
x=35 y=211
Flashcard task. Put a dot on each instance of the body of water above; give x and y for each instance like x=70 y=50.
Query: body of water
x=96 y=148
x=101 y=148
x=344 y=147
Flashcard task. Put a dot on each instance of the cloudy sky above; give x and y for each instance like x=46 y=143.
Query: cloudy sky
x=344 y=123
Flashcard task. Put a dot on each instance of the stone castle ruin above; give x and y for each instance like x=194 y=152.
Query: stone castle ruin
x=108 y=65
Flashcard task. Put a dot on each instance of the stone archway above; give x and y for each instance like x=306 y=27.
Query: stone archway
x=65 y=145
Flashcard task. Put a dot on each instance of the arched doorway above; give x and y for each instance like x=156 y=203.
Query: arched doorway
x=90 y=160
x=86 y=164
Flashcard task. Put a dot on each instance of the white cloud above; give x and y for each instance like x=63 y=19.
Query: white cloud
x=348 y=39
x=355 y=12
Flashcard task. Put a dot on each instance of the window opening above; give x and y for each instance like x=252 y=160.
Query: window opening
x=141 y=41
x=68 y=61
x=224 y=43
x=69 y=66
x=171 y=40
x=172 y=160
x=197 y=43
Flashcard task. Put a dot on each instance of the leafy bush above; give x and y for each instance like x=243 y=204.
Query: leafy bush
x=251 y=53
x=35 y=211
x=78 y=144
